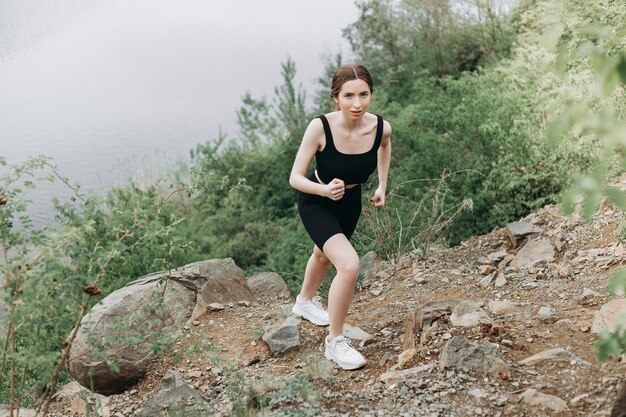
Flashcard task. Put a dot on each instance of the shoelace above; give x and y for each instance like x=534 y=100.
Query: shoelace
x=344 y=345
x=317 y=302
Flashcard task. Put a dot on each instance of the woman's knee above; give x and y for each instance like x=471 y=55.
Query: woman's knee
x=348 y=266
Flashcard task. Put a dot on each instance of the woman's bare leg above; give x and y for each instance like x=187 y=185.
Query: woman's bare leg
x=345 y=259
x=316 y=269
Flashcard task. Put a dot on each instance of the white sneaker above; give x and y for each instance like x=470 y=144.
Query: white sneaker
x=343 y=353
x=311 y=310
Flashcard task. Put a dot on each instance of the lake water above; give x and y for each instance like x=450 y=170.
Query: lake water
x=121 y=89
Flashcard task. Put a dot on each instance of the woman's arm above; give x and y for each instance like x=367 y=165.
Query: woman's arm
x=310 y=144
x=384 y=159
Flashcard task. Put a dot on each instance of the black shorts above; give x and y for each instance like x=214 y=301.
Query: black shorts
x=323 y=217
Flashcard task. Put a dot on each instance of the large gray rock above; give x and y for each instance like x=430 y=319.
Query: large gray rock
x=610 y=316
x=225 y=283
x=483 y=357
x=269 y=285
x=533 y=252
x=123 y=327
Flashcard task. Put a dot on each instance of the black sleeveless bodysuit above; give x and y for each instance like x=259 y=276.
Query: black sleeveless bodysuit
x=323 y=217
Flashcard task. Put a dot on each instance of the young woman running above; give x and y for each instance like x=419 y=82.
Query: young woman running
x=348 y=145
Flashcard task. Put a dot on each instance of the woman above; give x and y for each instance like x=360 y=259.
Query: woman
x=348 y=145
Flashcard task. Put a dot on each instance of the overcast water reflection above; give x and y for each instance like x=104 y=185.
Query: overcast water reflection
x=122 y=89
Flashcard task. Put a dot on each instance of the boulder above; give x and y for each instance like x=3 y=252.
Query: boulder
x=124 y=326
x=224 y=283
x=610 y=316
x=269 y=285
x=483 y=357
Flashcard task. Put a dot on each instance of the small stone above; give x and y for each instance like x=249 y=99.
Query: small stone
x=196 y=322
x=477 y=393
x=589 y=293
x=252 y=361
x=486 y=269
x=566 y=271
x=578 y=399
x=507 y=342
x=500 y=306
x=534 y=397
x=215 y=307
x=500 y=280
x=497 y=256
x=546 y=311
x=485 y=282
x=194 y=374
x=405 y=357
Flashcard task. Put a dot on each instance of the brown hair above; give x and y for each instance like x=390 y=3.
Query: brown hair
x=348 y=73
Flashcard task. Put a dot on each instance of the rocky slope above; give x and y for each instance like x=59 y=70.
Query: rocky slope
x=454 y=334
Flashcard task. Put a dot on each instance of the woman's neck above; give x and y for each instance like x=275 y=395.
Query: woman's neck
x=352 y=125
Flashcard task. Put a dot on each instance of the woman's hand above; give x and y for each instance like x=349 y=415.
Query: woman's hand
x=335 y=189
x=378 y=200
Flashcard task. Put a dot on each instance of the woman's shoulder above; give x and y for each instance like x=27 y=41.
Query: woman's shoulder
x=315 y=130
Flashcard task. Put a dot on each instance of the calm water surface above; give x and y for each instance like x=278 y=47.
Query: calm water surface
x=121 y=89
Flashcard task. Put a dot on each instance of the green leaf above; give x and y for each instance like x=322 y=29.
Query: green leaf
x=621 y=67
x=552 y=36
x=608 y=78
x=558 y=127
x=617 y=197
x=617 y=283
x=607 y=345
x=562 y=58
x=569 y=201
x=594 y=30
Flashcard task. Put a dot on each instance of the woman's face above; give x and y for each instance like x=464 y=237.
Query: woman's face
x=353 y=98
